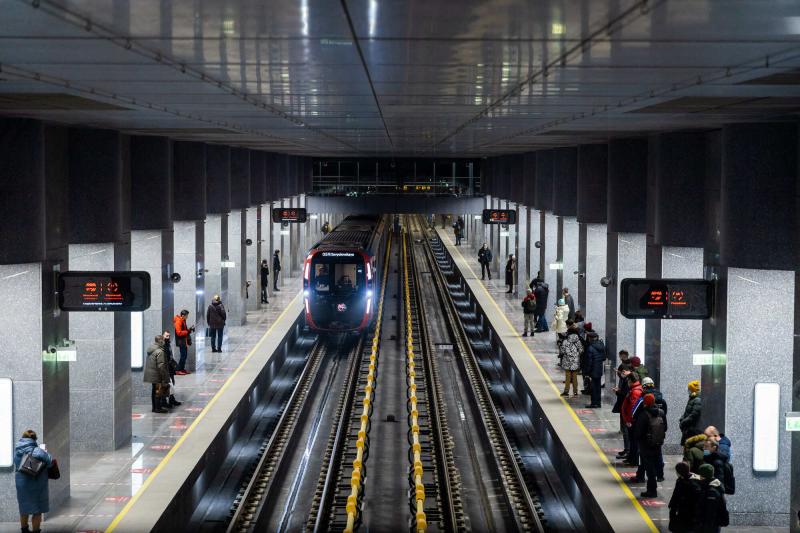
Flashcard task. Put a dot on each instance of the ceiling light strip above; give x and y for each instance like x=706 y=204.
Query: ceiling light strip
x=76 y=19
x=631 y=14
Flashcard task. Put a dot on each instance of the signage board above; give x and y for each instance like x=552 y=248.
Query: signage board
x=289 y=214
x=104 y=291
x=666 y=298
x=499 y=216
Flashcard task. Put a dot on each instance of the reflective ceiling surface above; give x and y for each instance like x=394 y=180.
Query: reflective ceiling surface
x=378 y=77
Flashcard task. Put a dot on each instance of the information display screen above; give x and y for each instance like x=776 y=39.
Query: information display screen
x=499 y=216
x=666 y=298
x=104 y=291
x=289 y=214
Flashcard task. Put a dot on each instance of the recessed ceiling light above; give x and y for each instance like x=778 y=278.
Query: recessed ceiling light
x=557 y=28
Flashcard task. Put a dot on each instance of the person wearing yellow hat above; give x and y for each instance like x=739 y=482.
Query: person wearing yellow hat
x=690 y=420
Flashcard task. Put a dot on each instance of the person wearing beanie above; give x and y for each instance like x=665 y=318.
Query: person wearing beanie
x=639 y=368
x=649 y=432
x=630 y=409
x=595 y=360
x=693 y=450
x=529 y=313
x=683 y=503
x=649 y=387
x=690 y=420
x=560 y=317
x=711 y=511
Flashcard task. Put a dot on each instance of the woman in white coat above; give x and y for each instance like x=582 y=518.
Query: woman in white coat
x=560 y=317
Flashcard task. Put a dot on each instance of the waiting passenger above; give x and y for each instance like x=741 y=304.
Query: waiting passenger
x=172 y=367
x=264 y=281
x=638 y=367
x=528 y=313
x=649 y=433
x=542 y=291
x=156 y=373
x=560 y=317
x=683 y=503
x=624 y=356
x=724 y=442
x=595 y=359
x=31 y=479
x=569 y=301
x=511 y=270
x=570 y=354
x=580 y=322
x=630 y=406
x=711 y=512
x=485 y=259
x=276 y=267
x=649 y=387
x=693 y=450
x=691 y=415
x=621 y=390
x=216 y=316
x=722 y=469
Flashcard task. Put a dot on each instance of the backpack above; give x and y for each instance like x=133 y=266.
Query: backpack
x=711 y=509
x=656 y=431
x=729 y=482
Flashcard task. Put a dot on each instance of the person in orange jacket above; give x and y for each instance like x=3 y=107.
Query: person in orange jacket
x=183 y=339
x=630 y=405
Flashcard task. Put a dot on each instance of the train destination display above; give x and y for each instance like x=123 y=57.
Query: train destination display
x=499 y=216
x=289 y=215
x=127 y=291
x=666 y=298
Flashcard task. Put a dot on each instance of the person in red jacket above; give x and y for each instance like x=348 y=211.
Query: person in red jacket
x=183 y=339
x=628 y=411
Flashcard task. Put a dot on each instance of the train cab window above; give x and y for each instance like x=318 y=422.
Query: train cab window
x=336 y=276
x=322 y=281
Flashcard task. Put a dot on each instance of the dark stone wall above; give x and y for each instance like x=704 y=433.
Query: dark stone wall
x=627 y=186
x=189 y=180
x=565 y=181
x=218 y=179
x=240 y=178
x=592 y=204
x=544 y=180
x=151 y=183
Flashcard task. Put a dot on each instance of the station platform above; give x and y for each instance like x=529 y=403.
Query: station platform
x=104 y=482
x=597 y=429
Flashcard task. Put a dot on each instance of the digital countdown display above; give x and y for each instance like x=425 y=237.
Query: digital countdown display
x=289 y=214
x=104 y=291
x=666 y=298
x=499 y=216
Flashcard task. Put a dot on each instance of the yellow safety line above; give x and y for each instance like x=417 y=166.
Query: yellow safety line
x=166 y=459
x=625 y=489
x=355 y=477
x=419 y=487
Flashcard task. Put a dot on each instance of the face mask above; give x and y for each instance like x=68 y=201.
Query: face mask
x=706 y=453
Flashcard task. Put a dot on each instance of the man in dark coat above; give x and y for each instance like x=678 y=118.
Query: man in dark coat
x=683 y=503
x=276 y=267
x=264 y=281
x=172 y=366
x=621 y=390
x=156 y=372
x=511 y=270
x=569 y=301
x=215 y=318
x=595 y=357
x=541 y=291
x=649 y=430
x=485 y=259
x=711 y=512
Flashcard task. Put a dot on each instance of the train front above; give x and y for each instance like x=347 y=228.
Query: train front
x=338 y=289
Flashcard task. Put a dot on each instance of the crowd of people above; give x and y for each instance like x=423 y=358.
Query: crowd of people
x=705 y=473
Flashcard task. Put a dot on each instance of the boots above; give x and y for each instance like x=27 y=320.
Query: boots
x=173 y=402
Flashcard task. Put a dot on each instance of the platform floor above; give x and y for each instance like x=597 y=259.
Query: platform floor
x=602 y=423
x=102 y=483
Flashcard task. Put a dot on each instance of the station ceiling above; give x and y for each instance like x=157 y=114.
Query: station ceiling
x=404 y=78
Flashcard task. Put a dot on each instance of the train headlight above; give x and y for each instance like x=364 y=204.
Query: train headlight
x=369 y=294
x=305 y=293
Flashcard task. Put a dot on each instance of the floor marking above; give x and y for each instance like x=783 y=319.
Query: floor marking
x=587 y=434
x=200 y=417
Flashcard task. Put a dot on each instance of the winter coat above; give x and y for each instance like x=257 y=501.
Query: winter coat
x=560 y=318
x=660 y=401
x=725 y=445
x=171 y=368
x=641 y=427
x=181 y=330
x=264 y=274
x=529 y=304
x=622 y=393
x=683 y=504
x=691 y=415
x=630 y=402
x=155 y=366
x=570 y=351
x=276 y=263
x=641 y=371
x=595 y=357
x=216 y=315
x=511 y=266
x=717 y=460
x=571 y=304
x=693 y=452
x=711 y=512
x=484 y=256
x=541 y=292
x=32 y=493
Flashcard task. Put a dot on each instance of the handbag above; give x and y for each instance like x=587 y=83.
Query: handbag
x=53 y=472
x=30 y=465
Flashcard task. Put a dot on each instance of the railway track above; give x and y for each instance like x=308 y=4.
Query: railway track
x=332 y=464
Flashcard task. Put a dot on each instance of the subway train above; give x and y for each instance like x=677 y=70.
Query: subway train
x=341 y=275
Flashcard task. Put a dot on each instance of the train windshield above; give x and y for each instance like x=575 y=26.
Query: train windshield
x=337 y=273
